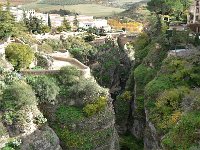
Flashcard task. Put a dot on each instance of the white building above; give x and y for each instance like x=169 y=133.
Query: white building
x=18 y=14
x=80 y=18
x=98 y=23
x=84 y=21
x=56 y=20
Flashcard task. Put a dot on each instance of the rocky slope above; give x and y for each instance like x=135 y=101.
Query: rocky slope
x=22 y=125
x=83 y=117
x=65 y=110
x=165 y=103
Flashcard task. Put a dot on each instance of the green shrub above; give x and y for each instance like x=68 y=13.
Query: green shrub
x=13 y=145
x=3 y=130
x=19 y=55
x=192 y=100
x=92 y=109
x=83 y=140
x=89 y=38
x=86 y=91
x=126 y=96
x=55 y=44
x=7 y=78
x=46 y=90
x=158 y=85
x=40 y=119
x=8 y=117
x=185 y=134
x=141 y=49
x=7 y=148
x=18 y=95
x=68 y=76
x=80 y=49
x=44 y=61
x=131 y=81
x=139 y=104
x=143 y=75
x=45 y=48
x=167 y=111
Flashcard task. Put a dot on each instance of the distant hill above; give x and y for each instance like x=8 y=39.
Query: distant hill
x=18 y=2
x=137 y=11
x=103 y=2
x=63 y=2
x=70 y=2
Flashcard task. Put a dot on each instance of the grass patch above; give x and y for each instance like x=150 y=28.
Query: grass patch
x=68 y=114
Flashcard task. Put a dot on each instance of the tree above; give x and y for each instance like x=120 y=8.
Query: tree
x=89 y=38
x=176 y=8
x=33 y=24
x=46 y=90
x=170 y=7
x=80 y=49
x=66 y=25
x=60 y=29
x=76 y=22
x=19 y=55
x=196 y=40
x=68 y=76
x=49 y=21
x=18 y=95
x=158 y=7
x=45 y=29
x=6 y=23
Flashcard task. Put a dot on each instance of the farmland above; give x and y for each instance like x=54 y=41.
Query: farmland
x=74 y=2
x=18 y=2
x=86 y=9
x=97 y=9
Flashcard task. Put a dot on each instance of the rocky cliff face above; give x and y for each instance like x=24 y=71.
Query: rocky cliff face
x=164 y=89
x=83 y=117
x=80 y=116
x=22 y=124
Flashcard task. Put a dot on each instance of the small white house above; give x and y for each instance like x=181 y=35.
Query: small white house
x=86 y=24
x=98 y=23
x=18 y=14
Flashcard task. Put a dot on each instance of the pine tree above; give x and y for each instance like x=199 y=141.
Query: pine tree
x=76 y=22
x=49 y=21
x=7 y=24
x=66 y=25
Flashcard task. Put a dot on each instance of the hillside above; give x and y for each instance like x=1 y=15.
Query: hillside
x=18 y=2
x=113 y=3
x=136 y=11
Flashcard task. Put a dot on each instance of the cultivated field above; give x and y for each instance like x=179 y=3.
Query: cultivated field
x=18 y=2
x=86 y=9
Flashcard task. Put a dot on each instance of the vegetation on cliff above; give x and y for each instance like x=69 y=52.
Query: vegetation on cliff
x=161 y=85
x=82 y=115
